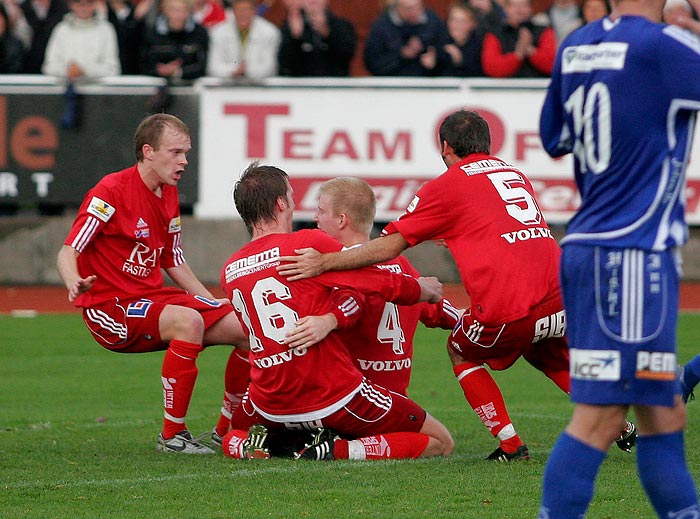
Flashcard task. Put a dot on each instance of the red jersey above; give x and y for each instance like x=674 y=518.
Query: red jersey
x=125 y=234
x=381 y=342
x=296 y=384
x=486 y=212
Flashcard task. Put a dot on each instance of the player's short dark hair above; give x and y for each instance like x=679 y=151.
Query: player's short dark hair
x=257 y=191
x=151 y=130
x=467 y=132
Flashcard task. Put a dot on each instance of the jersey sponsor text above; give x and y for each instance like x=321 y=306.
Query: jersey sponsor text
x=656 y=365
x=586 y=58
x=527 y=234
x=252 y=263
x=594 y=364
x=279 y=358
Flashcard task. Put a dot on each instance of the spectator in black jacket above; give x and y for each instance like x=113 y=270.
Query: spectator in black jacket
x=42 y=16
x=11 y=48
x=465 y=42
x=176 y=47
x=315 y=42
x=406 y=40
x=129 y=25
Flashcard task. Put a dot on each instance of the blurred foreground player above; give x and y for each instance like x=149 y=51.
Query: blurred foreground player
x=620 y=264
x=127 y=229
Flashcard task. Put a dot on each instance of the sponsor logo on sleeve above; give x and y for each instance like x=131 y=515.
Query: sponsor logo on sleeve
x=414 y=203
x=174 y=225
x=594 y=364
x=100 y=209
x=656 y=365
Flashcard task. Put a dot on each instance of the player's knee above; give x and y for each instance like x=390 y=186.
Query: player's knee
x=181 y=322
x=441 y=442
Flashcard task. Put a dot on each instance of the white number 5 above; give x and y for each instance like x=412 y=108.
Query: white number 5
x=520 y=204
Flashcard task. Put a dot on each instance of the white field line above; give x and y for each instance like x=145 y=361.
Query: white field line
x=290 y=467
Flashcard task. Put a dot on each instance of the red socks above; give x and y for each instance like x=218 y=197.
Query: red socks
x=484 y=396
x=236 y=378
x=399 y=445
x=232 y=443
x=178 y=374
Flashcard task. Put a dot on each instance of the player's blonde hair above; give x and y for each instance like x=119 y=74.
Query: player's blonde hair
x=151 y=130
x=353 y=197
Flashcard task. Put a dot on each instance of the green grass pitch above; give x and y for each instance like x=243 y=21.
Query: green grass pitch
x=78 y=428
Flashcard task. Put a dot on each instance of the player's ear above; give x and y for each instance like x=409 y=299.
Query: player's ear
x=445 y=148
x=147 y=151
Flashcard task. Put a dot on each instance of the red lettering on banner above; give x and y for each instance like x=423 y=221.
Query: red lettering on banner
x=401 y=142
x=256 y=120
x=293 y=141
x=33 y=141
x=525 y=141
x=340 y=144
x=298 y=145
x=557 y=196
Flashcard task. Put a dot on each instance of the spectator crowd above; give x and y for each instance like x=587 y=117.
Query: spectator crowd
x=232 y=39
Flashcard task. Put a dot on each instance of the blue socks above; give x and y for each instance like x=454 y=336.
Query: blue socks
x=661 y=465
x=691 y=376
x=665 y=477
x=566 y=492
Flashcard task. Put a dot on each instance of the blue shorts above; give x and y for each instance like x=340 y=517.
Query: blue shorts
x=621 y=311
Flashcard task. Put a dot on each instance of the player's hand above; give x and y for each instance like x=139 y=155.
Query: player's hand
x=430 y=289
x=306 y=264
x=80 y=287
x=310 y=330
x=223 y=301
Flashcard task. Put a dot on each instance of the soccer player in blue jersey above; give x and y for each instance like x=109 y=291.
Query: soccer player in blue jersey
x=623 y=99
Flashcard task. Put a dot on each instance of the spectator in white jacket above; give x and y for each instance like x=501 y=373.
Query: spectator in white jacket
x=244 y=45
x=83 y=45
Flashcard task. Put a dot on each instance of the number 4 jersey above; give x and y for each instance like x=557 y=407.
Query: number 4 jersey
x=300 y=385
x=623 y=99
x=486 y=212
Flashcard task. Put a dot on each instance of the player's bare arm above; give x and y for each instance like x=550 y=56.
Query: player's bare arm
x=67 y=265
x=309 y=262
x=310 y=330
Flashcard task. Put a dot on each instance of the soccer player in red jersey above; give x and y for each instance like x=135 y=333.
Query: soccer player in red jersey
x=317 y=387
x=486 y=213
x=127 y=230
x=382 y=340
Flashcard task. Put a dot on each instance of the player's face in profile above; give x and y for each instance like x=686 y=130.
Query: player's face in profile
x=324 y=216
x=170 y=159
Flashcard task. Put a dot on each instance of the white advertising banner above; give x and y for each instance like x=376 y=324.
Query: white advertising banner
x=383 y=132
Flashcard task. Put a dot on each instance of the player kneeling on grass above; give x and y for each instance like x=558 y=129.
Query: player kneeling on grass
x=318 y=387
x=127 y=229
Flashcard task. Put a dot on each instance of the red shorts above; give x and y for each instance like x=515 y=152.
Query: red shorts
x=538 y=337
x=373 y=410
x=130 y=325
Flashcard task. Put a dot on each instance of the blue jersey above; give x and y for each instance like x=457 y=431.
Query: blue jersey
x=623 y=99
